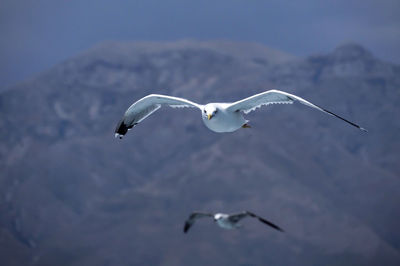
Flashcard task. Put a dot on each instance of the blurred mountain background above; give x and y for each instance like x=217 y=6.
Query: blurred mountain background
x=71 y=194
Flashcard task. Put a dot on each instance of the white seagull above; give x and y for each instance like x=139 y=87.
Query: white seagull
x=226 y=221
x=218 y=117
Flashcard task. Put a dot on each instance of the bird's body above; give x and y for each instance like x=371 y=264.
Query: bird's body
x=223 y=221
x=226 y=221
x=223 y=121
x=218 y=117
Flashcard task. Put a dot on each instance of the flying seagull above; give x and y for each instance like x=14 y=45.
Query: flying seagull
x=226 y=221
x=218 y=117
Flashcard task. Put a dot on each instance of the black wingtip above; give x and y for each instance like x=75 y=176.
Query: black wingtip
x=276 y=227
x=270 y=224
x=280 y=229
x=344 y=119
x=186 y=228
x=122 y=128
x=265 y=221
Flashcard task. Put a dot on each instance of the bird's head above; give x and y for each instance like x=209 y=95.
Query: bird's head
x=210 y=111
x=217 y=217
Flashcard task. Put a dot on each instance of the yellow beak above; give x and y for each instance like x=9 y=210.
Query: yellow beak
x=209 y=116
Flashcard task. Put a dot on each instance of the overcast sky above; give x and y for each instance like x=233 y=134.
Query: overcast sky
x=36 y=34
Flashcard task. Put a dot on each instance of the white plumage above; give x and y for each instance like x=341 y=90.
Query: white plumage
x=218 y=117
x=226 y=221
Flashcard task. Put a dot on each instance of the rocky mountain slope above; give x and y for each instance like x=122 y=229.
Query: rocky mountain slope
x=71 y=194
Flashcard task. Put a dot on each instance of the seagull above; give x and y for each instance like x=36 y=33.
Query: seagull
x=226 y=221
x=218 y=117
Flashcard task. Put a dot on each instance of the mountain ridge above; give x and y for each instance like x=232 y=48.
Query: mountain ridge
x=77 y=194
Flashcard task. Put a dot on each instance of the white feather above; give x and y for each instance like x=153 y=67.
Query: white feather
x=262 y=104
x=218 y=117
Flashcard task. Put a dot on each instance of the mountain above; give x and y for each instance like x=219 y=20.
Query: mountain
x=74 y=195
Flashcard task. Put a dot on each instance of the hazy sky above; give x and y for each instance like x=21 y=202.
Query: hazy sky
x=36 y=34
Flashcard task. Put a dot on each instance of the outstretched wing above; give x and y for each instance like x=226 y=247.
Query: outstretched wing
x=264 y=221
x=277 y=97
x=237 y=217
x=192 y=218
x=145 y=107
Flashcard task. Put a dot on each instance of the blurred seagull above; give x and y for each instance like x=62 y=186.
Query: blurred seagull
x=218 y=117
x=226 y=221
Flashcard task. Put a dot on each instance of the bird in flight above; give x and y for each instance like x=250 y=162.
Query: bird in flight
x=226 y=221
x=218 y=117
